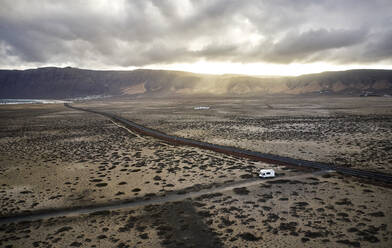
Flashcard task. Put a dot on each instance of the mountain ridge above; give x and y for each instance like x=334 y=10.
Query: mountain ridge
x=69 y=82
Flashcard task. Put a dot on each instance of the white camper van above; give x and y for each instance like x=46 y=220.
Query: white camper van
x=267 y=173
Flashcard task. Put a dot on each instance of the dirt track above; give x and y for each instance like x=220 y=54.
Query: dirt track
x=132 y=203
x=53 y=157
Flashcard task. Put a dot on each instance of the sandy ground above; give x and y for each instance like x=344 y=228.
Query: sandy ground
x=54 y=157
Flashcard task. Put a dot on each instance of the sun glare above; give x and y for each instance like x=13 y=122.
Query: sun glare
x=261 y=69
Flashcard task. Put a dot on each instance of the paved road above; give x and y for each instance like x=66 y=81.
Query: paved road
x=264 y=157
x=179 y=196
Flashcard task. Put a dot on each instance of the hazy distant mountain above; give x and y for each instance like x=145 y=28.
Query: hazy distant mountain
x=52 y=82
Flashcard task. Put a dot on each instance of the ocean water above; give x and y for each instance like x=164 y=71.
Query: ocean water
x=31 y=101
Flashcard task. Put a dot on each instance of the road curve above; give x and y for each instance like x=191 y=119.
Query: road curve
x=264 y=157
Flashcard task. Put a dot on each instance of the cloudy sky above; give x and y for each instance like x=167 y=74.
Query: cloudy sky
x=287 y=37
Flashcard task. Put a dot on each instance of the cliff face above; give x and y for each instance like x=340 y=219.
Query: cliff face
x=69 y=82
x=344 y=82
x=59 y=83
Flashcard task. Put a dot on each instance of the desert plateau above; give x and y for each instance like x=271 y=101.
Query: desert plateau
x=57 y=158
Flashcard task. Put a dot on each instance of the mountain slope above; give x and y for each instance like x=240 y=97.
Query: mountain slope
x=52 y=82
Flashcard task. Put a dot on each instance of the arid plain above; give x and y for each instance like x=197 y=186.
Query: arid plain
x=52 y=157
x=348 y=131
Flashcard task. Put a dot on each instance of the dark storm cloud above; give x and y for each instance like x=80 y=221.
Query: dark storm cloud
x=142 y=32
x=302 y=46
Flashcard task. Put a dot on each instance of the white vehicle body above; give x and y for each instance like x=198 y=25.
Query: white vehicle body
x=267 y=173
x=201 y=108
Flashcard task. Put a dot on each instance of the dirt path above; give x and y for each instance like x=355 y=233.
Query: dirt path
x=133 y=203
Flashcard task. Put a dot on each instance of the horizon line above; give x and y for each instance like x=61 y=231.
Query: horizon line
x=187 y=71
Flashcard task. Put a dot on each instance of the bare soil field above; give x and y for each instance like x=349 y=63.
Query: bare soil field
x=52 y=157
